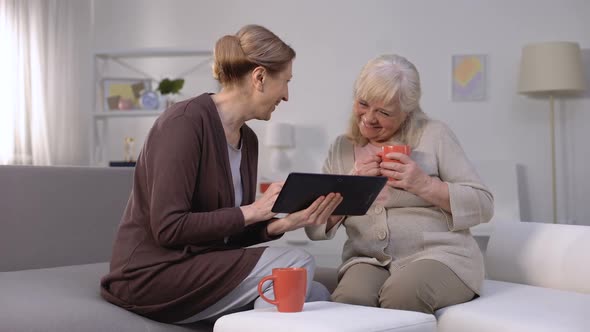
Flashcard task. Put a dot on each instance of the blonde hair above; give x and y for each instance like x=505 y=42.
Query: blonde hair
x=391 y=79
x=253 y=46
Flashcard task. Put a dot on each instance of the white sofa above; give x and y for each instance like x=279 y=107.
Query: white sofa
x=538 y=279
x=58 y=225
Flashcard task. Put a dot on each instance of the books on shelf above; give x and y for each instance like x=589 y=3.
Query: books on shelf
x=122 y=163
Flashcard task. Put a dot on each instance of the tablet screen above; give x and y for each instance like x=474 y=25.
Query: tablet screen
x=302 y=189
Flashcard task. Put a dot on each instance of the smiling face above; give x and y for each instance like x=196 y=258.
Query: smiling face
x=271 y=90
x=378 y=122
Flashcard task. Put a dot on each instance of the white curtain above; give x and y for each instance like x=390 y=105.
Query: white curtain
x=39 y=116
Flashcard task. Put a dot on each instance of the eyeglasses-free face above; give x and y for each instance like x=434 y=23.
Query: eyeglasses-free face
x=378 y=122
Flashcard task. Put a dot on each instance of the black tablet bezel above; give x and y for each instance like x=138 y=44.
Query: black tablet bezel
x=302 y=189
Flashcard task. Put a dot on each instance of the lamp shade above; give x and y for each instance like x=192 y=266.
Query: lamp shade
x=551 y=67
x=280 y=135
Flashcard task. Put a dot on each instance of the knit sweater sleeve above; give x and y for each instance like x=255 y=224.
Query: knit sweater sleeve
x=471 y=201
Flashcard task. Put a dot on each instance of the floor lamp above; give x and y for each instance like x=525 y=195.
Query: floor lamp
x=548 y=70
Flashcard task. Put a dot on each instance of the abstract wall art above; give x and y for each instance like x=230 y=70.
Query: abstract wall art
x=469 y=77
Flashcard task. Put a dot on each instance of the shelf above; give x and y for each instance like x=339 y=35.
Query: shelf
x=151 y=52
x=130 y=60
x=126 y=114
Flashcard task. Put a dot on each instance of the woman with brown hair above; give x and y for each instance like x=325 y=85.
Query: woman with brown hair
x=180 y=254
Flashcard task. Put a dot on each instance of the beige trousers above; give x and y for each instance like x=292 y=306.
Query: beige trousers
x=425 y=286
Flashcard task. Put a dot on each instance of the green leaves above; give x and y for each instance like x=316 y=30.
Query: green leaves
x=168 y=86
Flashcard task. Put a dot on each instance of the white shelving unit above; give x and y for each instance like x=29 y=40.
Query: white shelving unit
x=126 y=114
x=126 y=60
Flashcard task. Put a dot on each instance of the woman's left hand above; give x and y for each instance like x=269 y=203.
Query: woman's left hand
x=406 y=174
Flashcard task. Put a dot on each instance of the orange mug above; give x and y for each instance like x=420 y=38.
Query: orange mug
x=264 y=186
x=290 y=287
x=405 y=149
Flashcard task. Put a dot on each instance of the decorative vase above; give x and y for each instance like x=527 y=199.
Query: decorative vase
x=166 y=101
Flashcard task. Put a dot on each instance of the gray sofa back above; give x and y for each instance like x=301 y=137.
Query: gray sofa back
x=55 y=216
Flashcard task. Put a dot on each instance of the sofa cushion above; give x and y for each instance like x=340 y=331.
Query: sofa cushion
x=327 y=276
x=510 y=307
x=59 y=216
x=67 y=299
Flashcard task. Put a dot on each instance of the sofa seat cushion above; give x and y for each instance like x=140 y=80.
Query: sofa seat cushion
x=511 y=307
x=327 y=317
x=67 y=299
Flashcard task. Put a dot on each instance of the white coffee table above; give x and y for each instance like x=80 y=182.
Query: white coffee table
x=327 y=316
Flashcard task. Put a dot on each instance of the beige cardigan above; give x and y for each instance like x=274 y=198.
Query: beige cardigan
x=406 y=228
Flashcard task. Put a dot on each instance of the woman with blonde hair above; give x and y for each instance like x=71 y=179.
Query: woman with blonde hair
x=180 y=253
x=413 y=249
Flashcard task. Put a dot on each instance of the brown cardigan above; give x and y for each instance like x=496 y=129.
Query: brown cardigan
x=170 y=260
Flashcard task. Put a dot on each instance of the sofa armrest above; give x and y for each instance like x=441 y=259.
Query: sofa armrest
x=539 y=254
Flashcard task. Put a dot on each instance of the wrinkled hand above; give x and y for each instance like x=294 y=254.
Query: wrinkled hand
x=368 y=167
x=406 y=174
x=316 y=214
x=260 y=210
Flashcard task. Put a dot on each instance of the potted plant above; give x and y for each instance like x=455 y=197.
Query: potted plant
x=168 y=87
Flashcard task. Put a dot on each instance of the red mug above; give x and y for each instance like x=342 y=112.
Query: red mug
x=290 y=287
x=264 y=186
x=405 y=149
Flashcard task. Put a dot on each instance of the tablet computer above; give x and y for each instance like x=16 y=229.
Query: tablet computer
x=302 y=189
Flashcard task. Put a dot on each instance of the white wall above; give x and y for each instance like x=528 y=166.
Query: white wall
x=333 y=39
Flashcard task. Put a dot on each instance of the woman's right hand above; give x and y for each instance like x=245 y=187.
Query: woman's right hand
x=317 y=213
x=367 y=167
x=260 y=210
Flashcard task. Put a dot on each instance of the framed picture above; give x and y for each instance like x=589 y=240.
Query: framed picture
x=469 y=74
x=124 y=93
